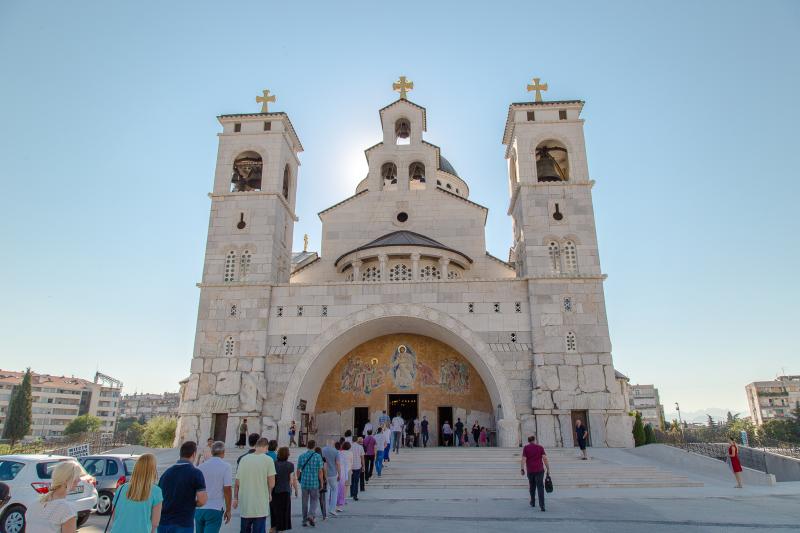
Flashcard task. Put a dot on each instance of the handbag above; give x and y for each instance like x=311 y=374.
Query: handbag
x=548 y=484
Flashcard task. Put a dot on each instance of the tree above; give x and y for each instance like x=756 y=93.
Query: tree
x=638 y=430
x=711 y=424
x=160 y=432
x=82 y=424
x=135 y=434
x=123 y=424
x=18 y=420
x=781 y=429
x=649 y=434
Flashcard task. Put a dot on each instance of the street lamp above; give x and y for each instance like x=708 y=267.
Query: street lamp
x=680 y=422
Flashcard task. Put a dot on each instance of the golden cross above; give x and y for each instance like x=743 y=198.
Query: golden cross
x=538 y=88
x=403 y=86
x=265 y=100
x=305 y=242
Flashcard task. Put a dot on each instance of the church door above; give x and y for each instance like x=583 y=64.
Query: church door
x=220 y=426
x=443 y=414
x=580 y=415
x=360 y=418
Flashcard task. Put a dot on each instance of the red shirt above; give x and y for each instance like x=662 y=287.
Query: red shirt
x=533 y=454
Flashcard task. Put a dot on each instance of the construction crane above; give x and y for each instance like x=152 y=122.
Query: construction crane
x=107 y=380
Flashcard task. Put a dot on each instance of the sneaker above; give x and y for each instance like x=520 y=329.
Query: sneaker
x=312 y=523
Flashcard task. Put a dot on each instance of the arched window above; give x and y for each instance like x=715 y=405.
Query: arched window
x=286 y=176
x=552 y=162
x=244 y=265
x=453 y=274
x=349 y=275
x=247 y=172
x=430 y=273
x=416 y=172
x=228 y=347
x=402 y=131
x=572 y=345
x=389 y=174
x=400 y=272
x=554 y=251
x=570 y=257
x=371 y=274
x=230 y=267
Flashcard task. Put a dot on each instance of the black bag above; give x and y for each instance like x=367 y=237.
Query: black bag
x=548 y=484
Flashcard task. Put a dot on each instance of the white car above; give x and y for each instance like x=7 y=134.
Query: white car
x=28 y=476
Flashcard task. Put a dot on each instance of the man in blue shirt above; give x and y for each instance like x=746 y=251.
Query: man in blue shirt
x=184 y=489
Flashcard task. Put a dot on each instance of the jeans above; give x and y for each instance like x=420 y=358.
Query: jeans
x=207 y=520
x=309 y=510
x=254 y=525
x=379 y=462
x=424 y=439
x=386 y=453
x=396 y=436
x=369 y=464
x=175 y=529
x=333 y=493
x=458 y=439
x=536 y=484
x=354 y=479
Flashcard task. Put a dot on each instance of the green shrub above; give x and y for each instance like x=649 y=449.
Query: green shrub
x=638 y=430
x=83 y=424
x=649 y=434
x=160 y=432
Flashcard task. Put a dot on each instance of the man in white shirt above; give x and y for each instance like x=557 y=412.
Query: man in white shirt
x=357 y=478
x=219 y=480
x=367 y=427
x=397 y=431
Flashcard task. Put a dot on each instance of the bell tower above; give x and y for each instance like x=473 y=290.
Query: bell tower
x=555 y=249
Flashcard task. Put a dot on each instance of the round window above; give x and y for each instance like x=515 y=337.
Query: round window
x=402 y=216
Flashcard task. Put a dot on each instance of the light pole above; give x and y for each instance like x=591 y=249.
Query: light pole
x=680 y=422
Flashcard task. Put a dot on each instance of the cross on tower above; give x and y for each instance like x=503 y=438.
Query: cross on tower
x=403 y=86
x=265 y=101
x=538 y=88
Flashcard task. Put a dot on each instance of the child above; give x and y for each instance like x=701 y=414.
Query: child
x=482 y=437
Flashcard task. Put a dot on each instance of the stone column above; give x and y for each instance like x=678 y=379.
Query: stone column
x=508 y=433
x=383 y=258
x=415 y=266
x=357 y=270
x=443 y=264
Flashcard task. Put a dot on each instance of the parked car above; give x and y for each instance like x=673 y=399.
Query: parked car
x=28 y=476
x=110 y=471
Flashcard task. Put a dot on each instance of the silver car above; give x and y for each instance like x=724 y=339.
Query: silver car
x=110 y=471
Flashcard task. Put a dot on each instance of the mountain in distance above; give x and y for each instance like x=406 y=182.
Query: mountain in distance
x=701 y=416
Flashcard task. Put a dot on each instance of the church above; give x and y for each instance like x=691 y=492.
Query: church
x=403 y=309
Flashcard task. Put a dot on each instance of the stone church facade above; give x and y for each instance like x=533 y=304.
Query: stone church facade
x=403 y=307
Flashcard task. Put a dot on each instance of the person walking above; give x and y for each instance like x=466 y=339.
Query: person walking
x=53 y=512
x=137 y=503
x=292 y=433
x=330 y=453
x=410 y=434
x=219 y=480
x=367 y=427
x=184 y=489
x=736 y=465
x=252 y=439
x=380 y=444
x=272 y=450
x=417 y=427
x=357 y=479
x=465 y=438
x=397 y=431
x=476 y=433
x=534 y=460
x=459 y=427
x=580 y=435
x=255 y=479
x=383 y=419
x=242 y=434
x=388 y=434
x=483 y=437
x=280 y=505
x=344 y=473
x=323 y=488
x=205 y=455
x=423 y=428
x=369 y=455
x=309 y=470
x=447 y=433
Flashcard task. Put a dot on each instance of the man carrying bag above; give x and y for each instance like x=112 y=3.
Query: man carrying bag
x=534 y=459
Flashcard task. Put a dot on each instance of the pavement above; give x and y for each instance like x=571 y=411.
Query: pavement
x=708 y=503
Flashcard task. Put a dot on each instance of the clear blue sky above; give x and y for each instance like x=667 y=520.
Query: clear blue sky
x=108 y=147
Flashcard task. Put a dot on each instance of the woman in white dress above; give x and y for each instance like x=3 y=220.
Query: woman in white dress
x=52 y=512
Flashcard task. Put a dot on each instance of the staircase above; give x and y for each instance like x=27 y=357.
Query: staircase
x=438 y=468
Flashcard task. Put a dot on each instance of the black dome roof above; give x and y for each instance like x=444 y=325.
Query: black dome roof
x=445 y=165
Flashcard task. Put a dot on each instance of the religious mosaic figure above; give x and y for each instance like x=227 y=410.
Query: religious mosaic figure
x=454 y=376
x=360 y=378
x=404 y=367
x=426 y=375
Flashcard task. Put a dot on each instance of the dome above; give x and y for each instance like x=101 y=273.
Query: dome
x=445 y=166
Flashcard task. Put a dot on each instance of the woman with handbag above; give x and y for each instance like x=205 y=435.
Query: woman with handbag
x=137 y=504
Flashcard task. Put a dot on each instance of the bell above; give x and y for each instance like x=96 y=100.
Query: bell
x=547 y=168
x=418 y=172
x=402 y=129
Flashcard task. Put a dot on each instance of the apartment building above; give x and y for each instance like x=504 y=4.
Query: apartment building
x=147 y=406
x=773 y=399
x=645 y=399
x=57 y=400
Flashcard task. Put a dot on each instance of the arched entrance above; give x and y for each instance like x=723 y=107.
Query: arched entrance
x=343 y=336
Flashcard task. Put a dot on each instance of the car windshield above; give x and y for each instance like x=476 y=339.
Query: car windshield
x=9 y=470
x=129 y=464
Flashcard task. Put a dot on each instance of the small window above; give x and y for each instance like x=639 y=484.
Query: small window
x=458 y=192
x=237 y=127
x=517 y=307
x=531 y=116
x=299 y=310
x=111 y=468
x=439 y=183
x=267 y=125
x=229 y=346
x=230 y=267
x=513 y=337
x=470 y=308
x=567 y=305
x=284 y=340
x=280 y=310
x=402 y=216
x=449 y=186
x=572 y=345
x=570 y=257
x=554 y=251
x=244 y=264
x=324 y=310
x=562 y=114
x=496 y=307
x=234 y=312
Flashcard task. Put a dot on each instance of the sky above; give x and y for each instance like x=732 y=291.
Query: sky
x=108 y=148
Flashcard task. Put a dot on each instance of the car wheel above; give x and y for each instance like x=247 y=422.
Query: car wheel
x=105 y=500
x=13 y=520
x=82 y=518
